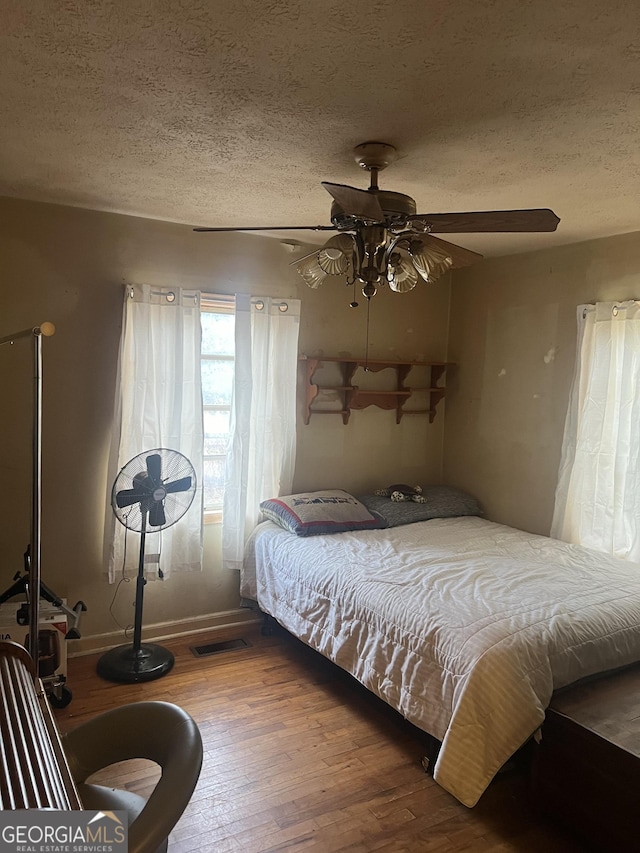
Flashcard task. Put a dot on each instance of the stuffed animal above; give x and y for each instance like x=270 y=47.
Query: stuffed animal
x=400 y=492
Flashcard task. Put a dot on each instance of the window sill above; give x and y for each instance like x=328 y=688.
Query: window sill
x=213 y=516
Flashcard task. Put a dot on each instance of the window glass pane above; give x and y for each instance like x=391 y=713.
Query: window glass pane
x=217 y=333
x=217 y=382
x=216 y=432
x=213 y=483
x=218 y=350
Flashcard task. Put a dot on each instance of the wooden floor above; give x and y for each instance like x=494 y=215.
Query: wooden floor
x=299 y=757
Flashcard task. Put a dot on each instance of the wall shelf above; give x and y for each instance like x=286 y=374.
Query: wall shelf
x=352 y=396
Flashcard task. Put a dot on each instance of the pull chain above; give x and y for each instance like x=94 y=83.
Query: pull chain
x=366 y=348
x=353 y=304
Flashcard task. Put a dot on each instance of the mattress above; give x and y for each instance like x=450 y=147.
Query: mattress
x=465 y=626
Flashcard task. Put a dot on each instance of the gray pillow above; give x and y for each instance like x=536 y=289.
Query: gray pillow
x=441 y=502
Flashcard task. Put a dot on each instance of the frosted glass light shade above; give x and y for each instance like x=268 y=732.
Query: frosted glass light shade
x=333 y=261
x=429 y=259
x=333 y=257
x=401 y=273
x=311 y=271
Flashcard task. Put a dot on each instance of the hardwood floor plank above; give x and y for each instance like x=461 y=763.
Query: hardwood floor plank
x=298 y=757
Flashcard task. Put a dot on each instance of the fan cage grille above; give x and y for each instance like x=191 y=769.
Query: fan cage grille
x=136 y=483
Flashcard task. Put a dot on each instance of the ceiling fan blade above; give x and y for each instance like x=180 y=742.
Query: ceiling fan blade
x=126 y=497
x=355 y=202
x=272 y=228
x=540 y=219
x=156 y=514
x=154 y=467
x=180 y=485
x=461 y=257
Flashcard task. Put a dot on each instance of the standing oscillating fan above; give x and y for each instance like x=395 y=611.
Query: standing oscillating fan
x=153 y=490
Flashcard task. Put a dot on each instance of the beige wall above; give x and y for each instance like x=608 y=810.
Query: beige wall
x=513 y=335
x=373 y=451
x=69 y=266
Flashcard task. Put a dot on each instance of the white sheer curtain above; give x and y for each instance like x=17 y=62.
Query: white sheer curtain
x=598 y=493
x=261 y=455
x=158 y=404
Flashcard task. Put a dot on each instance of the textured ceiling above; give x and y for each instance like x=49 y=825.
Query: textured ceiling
x=213 y=113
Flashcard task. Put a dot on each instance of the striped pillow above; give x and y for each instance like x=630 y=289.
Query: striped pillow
x=314 y=513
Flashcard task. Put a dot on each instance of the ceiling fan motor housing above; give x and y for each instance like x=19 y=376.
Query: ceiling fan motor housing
x=395 y=206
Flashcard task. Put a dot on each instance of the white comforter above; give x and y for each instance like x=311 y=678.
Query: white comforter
x=464 y=626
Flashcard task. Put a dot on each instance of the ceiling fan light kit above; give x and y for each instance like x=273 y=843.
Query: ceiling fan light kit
x=383 y=241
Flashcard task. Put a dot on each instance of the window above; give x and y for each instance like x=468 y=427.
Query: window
x=217 y=316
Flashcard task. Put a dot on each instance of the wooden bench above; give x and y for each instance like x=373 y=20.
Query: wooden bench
x=586 y=772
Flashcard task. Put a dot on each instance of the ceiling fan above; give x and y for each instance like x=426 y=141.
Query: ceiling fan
x=382 y=240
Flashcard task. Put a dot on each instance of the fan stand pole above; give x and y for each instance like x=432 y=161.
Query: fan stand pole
x=140 y=661
x=140 y=585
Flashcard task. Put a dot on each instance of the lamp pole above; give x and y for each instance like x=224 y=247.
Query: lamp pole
x=46 y=329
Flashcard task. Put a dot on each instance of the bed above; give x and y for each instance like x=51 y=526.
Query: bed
x=464 y=626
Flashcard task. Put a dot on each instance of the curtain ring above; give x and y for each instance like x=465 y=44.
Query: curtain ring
x=258 y=304
x=169 y=295
x=614 y=310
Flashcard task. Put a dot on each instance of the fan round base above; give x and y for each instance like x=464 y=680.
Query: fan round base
x=124 y=663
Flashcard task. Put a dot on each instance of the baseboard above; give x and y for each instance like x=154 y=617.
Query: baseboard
x=211 y=622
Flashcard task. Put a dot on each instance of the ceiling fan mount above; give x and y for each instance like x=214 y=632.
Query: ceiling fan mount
x=375 y=155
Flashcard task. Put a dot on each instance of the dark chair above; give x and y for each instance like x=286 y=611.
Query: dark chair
x=158 y=731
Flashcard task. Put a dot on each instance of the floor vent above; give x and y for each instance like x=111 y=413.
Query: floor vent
x=217 y=648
